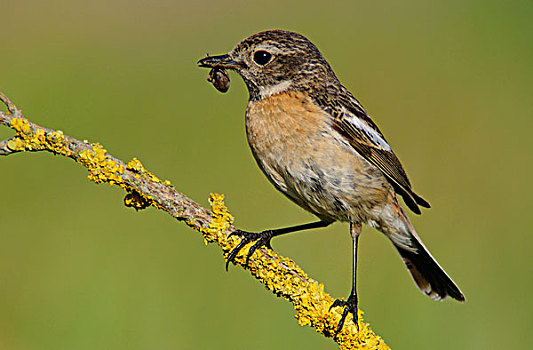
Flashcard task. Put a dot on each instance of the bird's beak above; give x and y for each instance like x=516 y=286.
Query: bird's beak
x=222 y=61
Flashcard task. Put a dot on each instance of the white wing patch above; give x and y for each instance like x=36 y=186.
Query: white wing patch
x=362 y=126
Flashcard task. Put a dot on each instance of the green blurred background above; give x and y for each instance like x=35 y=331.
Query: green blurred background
x=449 y=83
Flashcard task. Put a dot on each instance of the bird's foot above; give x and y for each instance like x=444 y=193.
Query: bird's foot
x=349 y=305
x=262 y=238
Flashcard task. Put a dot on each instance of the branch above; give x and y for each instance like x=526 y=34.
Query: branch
x=279 y=274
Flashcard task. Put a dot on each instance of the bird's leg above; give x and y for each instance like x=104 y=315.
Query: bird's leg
x=350 y=305
x=263 y=238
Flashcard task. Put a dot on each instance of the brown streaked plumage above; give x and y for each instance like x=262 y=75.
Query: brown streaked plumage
x=317 y=145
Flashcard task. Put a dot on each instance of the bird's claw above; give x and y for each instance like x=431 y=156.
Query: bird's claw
x=349 y=305
x=262 y=238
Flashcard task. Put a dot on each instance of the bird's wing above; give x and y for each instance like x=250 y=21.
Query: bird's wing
x=351 y=121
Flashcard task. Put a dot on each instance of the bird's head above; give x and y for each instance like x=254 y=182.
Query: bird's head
x=275 y=61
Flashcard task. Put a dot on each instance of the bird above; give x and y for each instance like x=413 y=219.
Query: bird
x=318 y=146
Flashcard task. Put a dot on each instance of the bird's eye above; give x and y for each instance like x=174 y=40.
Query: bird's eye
x=262 y=57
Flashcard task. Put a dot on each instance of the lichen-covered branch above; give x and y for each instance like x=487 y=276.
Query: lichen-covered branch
x=279 y=274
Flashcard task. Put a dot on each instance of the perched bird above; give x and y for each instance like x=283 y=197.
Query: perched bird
x=317 y=145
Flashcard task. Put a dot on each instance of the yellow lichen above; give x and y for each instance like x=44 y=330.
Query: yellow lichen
x=284 y=278
x=16 y=144
x=136 y=201
x=21 y=126
x=136 y=166
x=220 y=221
x=280 y=275
x=103 y=169
x=36 y=140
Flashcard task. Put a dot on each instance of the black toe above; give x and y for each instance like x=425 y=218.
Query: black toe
x=262 y=238
x=349 y=305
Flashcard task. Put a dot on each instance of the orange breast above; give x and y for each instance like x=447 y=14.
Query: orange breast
x=306 y=159
x=283 y=121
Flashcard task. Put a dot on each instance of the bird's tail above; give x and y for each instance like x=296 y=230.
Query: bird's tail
x=426 y=272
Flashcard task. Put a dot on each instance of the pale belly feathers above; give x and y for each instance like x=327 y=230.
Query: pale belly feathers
x=307 y=160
